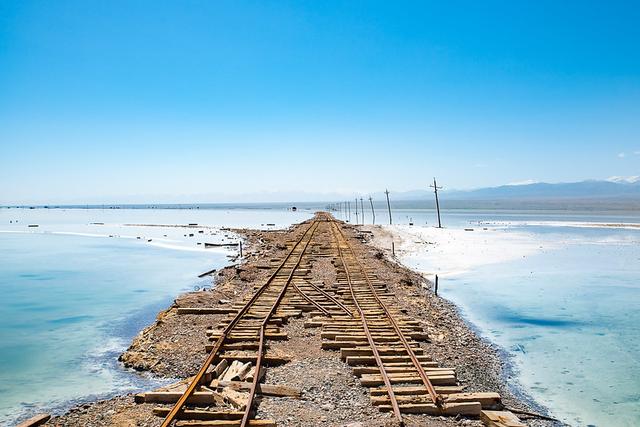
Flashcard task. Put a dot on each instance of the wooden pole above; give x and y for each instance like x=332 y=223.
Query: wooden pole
x=240 y=248
x=436 y=285
x=349 y=210
x=373 y=212
x=435 y=190
x=357 y=222
x=362 y=209
x=388 y=204
x=393 y=248
x=357 y=217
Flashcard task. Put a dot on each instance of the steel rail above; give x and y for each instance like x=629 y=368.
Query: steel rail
x=435 y=397
x=329 y=297
x=256 y=377
x=214 y=351
x=310 y=300
x=372 y=344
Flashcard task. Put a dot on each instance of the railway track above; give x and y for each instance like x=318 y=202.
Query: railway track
x=358 y=317
x=382 y=345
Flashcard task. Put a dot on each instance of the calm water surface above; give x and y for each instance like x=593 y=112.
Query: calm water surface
x=72 y=302
x=568 y=316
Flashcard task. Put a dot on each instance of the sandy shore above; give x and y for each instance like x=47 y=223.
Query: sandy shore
x=174 y=347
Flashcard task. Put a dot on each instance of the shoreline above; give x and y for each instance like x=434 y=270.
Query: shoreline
x=523 y=304
x=479 y=362
x=105 y=331
x=381 y=239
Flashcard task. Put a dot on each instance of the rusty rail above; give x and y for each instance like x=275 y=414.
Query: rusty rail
x=332 y=299
x=214 y=351
x=256 y=377
x=311 y=300
x=435 y=397
x=372 y=344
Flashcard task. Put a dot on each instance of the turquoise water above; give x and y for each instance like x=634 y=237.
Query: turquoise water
x=73 y=297
x=82 y=219
x=569 y=318
x=462 y=217
x=70 y=305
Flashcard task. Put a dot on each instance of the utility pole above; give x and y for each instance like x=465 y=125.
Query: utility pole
x=388 y=204
x=362 y=209
x=373 y=213
x=357 y=222
x=435 y=190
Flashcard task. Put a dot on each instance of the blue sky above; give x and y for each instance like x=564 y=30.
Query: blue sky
x=153 y=100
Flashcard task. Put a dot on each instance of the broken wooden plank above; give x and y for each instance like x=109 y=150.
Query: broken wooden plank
x=413 y=390
x=370 y=360
x=466 y=408
x=235 y=398
x=370 y=380
x=264 y=389
x=500 y=419
x=268 y=359
x=363 y=370
x=198 y=397
x=487 y=400
x=236 y=371
x=220 y=368
x=206 y=273
x=35 y=421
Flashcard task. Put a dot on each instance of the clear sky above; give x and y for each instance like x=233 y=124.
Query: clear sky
x=103 y=101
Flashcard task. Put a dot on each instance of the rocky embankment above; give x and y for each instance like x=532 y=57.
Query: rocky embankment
x=331 y=395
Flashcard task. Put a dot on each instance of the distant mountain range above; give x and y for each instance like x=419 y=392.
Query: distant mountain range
x=614 y=193
x=542 y=190
x=592 y=190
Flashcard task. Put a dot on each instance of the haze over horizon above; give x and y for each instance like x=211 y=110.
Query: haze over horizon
x=102 y=101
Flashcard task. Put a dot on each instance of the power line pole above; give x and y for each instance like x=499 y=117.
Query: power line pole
x=388 y=204
x=357 y=222
x=362 y=209
x=373 y=213
x=435 y=190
